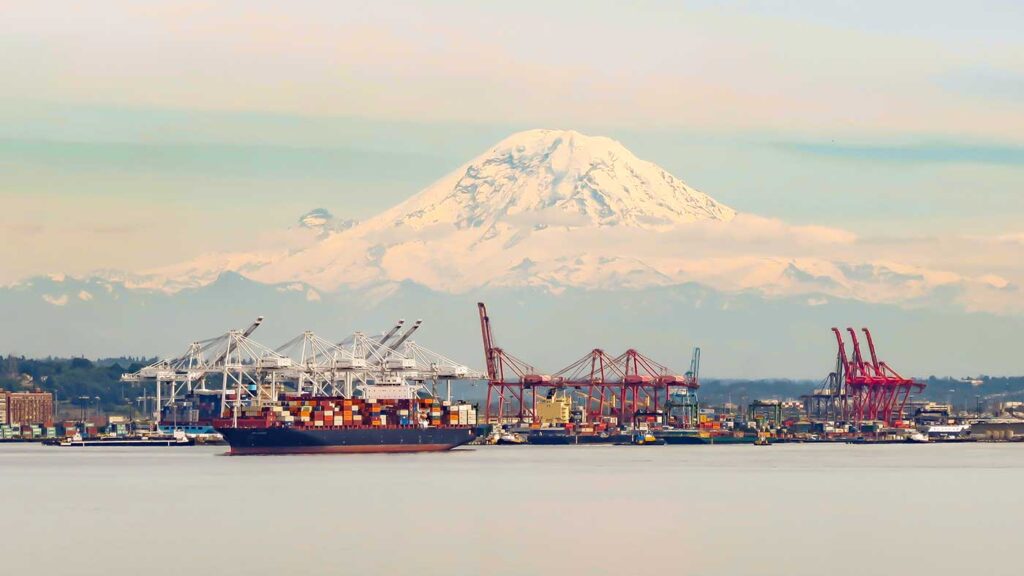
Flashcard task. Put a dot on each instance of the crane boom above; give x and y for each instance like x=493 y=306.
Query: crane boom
x=392 y=332
x=406 y=334
x=871 y=347
x=485 y=331
x=378 y=344
x=245 y=334
x=844 y=361
x=858 y=358
x=252 y=328
x=695 y=366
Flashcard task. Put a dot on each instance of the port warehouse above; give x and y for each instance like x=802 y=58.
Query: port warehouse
x=30 y=413
x=25 y=407
x=595 y=392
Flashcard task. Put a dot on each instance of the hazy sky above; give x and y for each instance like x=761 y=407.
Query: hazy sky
x=141 y=133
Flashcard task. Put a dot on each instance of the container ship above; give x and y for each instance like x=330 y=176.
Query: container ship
x=321 y=425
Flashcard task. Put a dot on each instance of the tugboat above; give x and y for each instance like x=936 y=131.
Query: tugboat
x=510 y=438
x=501 y=437
x=642 y=438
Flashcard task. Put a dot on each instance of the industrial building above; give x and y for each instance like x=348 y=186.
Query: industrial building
x=998 y=429
x=26 y=407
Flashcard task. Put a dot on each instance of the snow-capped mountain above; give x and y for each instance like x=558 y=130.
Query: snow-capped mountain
x=557 y=209
x=556 y=224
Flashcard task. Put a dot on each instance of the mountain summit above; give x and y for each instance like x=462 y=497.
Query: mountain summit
x=542 y=177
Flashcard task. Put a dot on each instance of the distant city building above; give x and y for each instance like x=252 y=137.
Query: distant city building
x=26 y=407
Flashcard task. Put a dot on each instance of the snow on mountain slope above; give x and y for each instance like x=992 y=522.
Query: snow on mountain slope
x=197 y=272
x=560 y=175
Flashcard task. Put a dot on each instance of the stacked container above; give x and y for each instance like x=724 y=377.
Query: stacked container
x=338 y=412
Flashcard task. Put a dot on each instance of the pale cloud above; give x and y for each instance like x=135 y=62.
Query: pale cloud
x=56 y=300
x=1017 y=238
x=680 y=65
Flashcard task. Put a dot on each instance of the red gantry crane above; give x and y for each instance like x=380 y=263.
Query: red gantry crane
x=507 y=378
x=870 y=390
x=617 y=386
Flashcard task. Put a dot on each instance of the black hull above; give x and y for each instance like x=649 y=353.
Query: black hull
x=563 y=439
x=691 y=439
x=294 y=440
x=125 y=444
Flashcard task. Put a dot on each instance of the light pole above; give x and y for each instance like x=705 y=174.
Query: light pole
x=83 y=402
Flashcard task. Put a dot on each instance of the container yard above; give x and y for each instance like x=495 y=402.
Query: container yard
x=603 y=399
x=387 y=393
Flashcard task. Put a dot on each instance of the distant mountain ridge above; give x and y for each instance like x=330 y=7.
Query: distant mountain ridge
x=743 y=335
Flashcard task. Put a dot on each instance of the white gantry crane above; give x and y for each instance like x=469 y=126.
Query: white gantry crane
x=178 y=376
x=243 y=367
x=244 y=372
x=420 y=364
x=320 y=367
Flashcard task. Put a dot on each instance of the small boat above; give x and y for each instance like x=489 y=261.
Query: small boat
x=643 y=439
x=510 y=439
x=917 y=437
x=177 y=439
x=762 y=440
x=501 y=437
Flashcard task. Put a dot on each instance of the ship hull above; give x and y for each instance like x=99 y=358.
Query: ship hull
x=693 y=438
x=294 y=440
x=563 y=439
x=121 y=443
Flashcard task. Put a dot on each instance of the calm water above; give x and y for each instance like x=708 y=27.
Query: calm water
x=739 y=510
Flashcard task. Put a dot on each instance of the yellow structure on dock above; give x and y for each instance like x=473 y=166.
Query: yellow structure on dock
x=554 y=411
